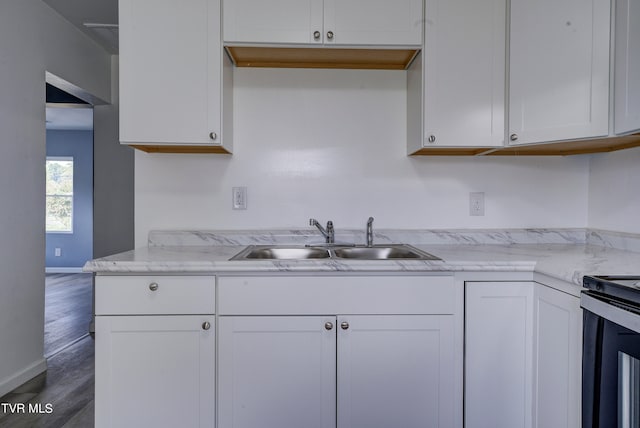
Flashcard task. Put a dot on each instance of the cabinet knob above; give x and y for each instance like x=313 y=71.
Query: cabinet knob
x=344 y=325
x=432 y=138
x=213 y=135
x=206 y=325
x=316 y=35
x=330 y=35
x=153 y=286
x=513 y=137
x=328 y=326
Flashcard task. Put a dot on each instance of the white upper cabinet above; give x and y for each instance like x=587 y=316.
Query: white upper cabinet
x=171 y=74
x=559 y=70
x=627 y=66
x=462 y=103
x=344 y=22
x=275 y=21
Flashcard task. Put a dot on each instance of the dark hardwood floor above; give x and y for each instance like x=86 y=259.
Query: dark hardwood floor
x=64 y=394
x=68 y=310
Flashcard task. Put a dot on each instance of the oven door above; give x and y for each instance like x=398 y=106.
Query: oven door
x=610 y=363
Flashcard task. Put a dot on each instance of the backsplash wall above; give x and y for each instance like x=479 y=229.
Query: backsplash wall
x=330 y=144
x=614 y=191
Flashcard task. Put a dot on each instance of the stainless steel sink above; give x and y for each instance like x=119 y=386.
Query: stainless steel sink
x=383 y=252
x=272 y=252
x=376 y=252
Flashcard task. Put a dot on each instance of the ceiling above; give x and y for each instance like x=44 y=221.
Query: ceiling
x=98 y=19
x=95 y=18
x=69 y=118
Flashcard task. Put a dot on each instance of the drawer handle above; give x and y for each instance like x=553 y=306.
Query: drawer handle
x=344 y=325
x=153 y=286
x=206 y=325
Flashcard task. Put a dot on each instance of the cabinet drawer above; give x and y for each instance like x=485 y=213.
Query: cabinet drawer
x=300 y=295
x=154 y=295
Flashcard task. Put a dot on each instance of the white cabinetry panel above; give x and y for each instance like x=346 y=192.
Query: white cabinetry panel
x=171 y=73
x=498 y=354
x=559 y=350
x=464 y=92
x=559 y=70
x=277 y=372
x=328 y=22
x=155 y=371
x=627 y=66
x=274 y=21
x=395 y=371
x=373 y=22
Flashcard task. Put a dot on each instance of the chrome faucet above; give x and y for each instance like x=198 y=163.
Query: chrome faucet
x=328 y=233
x=370 y=232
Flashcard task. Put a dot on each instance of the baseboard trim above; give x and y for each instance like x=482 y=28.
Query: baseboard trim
x=12 y=382
x=63 y=270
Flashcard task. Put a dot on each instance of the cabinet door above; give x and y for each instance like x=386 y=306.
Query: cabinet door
x=373 y=22
x=395 y=371
x=277 y=372
x=274 y=21
x=170 y=72
x=627 y=66
x=559 y=70
x=464 y=72
x=498 y=354
x=155 y=371
x=558 y=357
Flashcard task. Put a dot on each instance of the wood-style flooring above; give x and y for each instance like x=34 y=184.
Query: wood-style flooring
x=68 y=385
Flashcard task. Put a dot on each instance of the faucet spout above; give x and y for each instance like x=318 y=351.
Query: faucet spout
x=370 y=232
x=328 y=233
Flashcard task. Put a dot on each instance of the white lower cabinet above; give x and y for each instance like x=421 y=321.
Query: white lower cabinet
x=498 y=355
x=522 y=356
x=154 y=369
x=395 y=371
x=558 y=359
x=276 y=372
x=363 y=365
x=290 y=371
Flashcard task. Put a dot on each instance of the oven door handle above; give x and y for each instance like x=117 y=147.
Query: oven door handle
x=626 y=318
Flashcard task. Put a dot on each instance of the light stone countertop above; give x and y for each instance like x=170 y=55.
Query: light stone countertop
x=567 y=255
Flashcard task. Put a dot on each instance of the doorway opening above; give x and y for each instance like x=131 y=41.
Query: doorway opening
x=69 y=219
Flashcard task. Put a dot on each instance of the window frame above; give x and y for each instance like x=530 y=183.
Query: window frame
x=72 y=195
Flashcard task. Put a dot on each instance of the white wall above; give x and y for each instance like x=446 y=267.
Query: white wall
x=330 y=144
x=34 y=39
x=614 y=191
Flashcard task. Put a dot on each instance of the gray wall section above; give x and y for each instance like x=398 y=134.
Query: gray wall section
x=34 y=40
x=113 y=217
x=75 y=248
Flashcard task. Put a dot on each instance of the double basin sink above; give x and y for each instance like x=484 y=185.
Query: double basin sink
x=375 y=252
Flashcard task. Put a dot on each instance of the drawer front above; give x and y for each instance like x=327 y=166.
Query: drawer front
x=299 y=295
x=154 y=295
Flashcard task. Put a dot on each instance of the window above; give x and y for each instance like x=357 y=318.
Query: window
x=59 y=217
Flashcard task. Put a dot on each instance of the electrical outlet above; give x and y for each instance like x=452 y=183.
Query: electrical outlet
x=58 y=252
x=239 y=198
x=476 y=203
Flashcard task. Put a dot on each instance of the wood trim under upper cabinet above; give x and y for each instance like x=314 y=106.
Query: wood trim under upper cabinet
x=563 y=148
x=180 y=149
x=377 y=59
